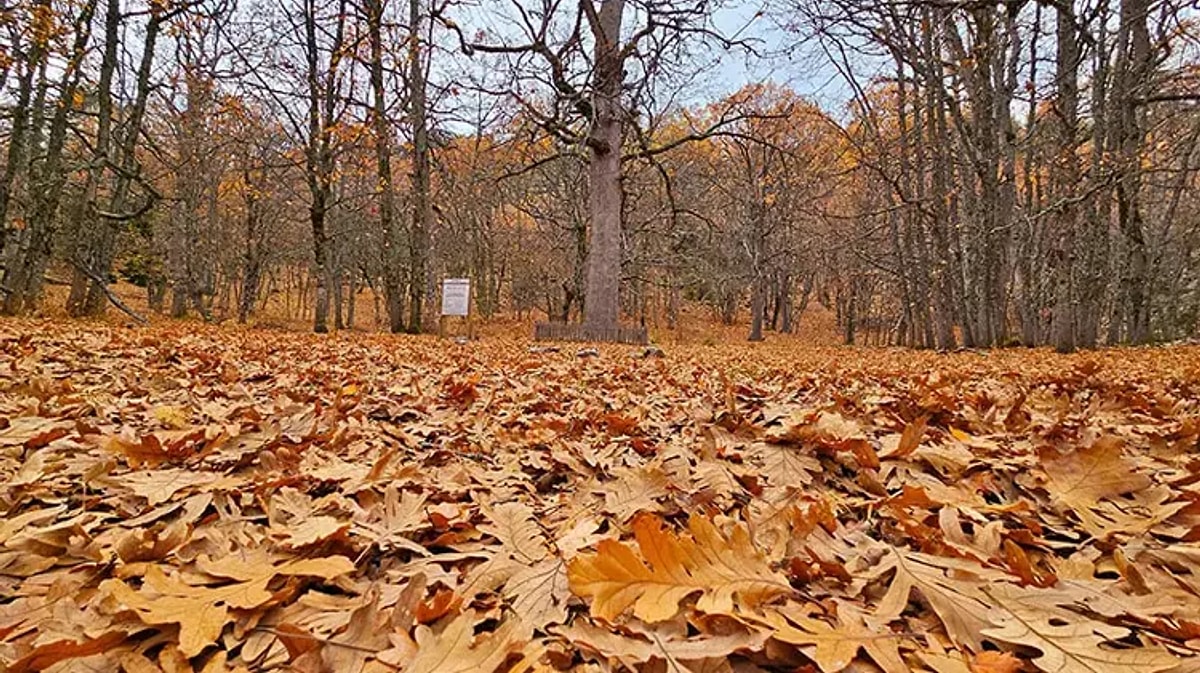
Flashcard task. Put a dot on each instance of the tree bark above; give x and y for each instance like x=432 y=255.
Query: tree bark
x=320 y=162
x=603 y=291
x=1134 y=69
x=1065 y=174
x=89 y=291
x=385 y=192
x=40 y=15
x=422 y=212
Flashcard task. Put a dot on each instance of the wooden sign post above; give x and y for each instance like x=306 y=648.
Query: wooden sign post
x=456 y=303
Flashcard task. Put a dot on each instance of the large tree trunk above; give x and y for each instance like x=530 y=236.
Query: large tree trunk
x=603 y=292
x=385 y=193
x=89 y=291
x=1134 y=69
x=1065 y=175
x=945 y=276
x=47 y=177
x=422 y=212
x=104 y=119
x=320 y=162
x=18 y=134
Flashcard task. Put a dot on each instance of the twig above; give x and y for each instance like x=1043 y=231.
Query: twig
x=116 y=301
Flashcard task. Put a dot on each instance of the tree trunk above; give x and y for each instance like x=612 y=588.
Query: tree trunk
x=316 y=217
x=602 y=299
x=337 y=286
x=1065 y=176
x=320 y=162
x=1135 y=68
x=757 y=309
x=422 y=213
x=23 y=278
x=385 y=192
x=352 y=290
x=19 y=131
x=89 y=293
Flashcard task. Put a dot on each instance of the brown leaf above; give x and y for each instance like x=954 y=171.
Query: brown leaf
x=45 y=656
x=1089 y=474
x=1068 y=642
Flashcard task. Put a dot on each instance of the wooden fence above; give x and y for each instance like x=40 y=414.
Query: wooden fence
x=558 y=331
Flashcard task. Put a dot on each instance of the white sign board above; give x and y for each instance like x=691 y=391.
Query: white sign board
x=456 y=296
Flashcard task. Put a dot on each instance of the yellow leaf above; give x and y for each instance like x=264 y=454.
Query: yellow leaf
x=727 y=572
x=173 y=417
x=202 y=611
x=961 y=436
x=201 y=617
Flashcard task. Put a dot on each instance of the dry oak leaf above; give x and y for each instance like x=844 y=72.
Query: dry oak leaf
x=158 y=486
x=45 y=656
x=951 y=587
x=256 y=564
x=834 y=648
x=909 y=439
x=1069 y=643
x=33 y=432
x=1087 y=475
x=455 y=649
x=313 y=530
x=401 y=512
x=634 y=491
x=350 y=651
x=514 y=524
x=537 y=589
x=539 y=593
x=726 y=571
x=678 y=652
x=202 y=612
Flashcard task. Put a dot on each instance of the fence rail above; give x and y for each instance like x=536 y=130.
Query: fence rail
x=557 y=331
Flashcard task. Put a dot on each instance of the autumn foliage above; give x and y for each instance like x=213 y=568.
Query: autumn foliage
x=191 y=499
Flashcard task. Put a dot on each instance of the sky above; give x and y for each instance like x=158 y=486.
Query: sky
x=779 y=56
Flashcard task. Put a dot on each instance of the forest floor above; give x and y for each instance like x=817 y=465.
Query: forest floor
x=192 y=498
x=290 y=311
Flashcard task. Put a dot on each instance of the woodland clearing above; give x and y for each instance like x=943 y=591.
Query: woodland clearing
x=191 y=498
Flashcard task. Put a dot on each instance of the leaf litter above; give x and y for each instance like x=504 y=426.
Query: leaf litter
x=197 y=499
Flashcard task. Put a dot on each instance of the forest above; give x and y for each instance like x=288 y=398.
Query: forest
x=971 y=174
x=891 y=311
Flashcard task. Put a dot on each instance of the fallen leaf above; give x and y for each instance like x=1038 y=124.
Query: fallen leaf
x=727 y=572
